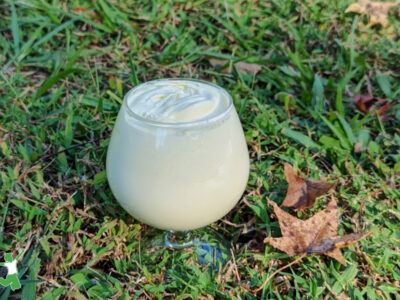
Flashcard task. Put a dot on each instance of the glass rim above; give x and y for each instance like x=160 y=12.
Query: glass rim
x=177 y=125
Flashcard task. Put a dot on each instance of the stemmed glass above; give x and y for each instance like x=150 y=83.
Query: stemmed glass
x=177 y=158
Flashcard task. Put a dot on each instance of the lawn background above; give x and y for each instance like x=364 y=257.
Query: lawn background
x=64 y=69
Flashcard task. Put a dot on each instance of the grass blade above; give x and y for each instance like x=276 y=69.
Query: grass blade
x=15 y=27
x=318 y=95
x=53 y=80
x=132 y=73
x=300 y=138
x=384 y=84
x=339 y=101
x=68 y=133
x=29 y=289
x=343 y=140
x=347 y=129
x=54 y=32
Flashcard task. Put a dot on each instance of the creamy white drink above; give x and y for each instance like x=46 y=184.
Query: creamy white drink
x=177 y=158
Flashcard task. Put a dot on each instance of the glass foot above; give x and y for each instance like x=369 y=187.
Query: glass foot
x=207 y=254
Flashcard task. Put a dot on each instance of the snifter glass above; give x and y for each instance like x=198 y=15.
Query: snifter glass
x=177 y=175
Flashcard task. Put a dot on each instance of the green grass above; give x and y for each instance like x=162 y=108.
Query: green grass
x=62 y=79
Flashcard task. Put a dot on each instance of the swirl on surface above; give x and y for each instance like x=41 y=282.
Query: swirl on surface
x=176 y=101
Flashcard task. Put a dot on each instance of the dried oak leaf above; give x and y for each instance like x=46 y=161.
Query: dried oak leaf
x=377 y=11
x=243 y=67
x=316 y=235
x=367 y=104
x=301 y=192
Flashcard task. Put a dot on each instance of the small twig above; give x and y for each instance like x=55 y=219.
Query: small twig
x=279 y=270
x=236 y=272
x=369 y=86
x=45 y=157
x=273 y=274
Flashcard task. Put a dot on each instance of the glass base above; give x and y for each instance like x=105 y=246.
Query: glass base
x=210 y=248
x=179 y=239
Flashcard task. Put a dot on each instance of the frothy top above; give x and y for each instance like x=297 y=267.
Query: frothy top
x=177 y=101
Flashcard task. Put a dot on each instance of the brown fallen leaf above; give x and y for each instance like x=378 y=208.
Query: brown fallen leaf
x=301 y=192
x=317 y=234
x=367 y=104
x=243 y=67
x=377 y=11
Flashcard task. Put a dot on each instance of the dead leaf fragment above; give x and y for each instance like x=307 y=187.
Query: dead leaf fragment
x=82 y=10
x=79 y=10
x=377 y=11
x=339 y=242
x=367 y=104
x=301 y=192
x=317 y=234
x=243 y=67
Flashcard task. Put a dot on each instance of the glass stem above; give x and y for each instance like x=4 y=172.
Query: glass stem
x=179 y=239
